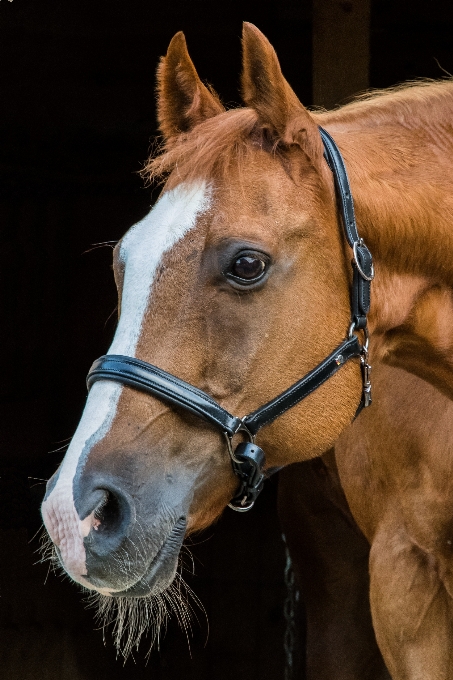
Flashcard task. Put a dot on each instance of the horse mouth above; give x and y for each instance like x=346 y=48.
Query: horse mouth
x=162 y=567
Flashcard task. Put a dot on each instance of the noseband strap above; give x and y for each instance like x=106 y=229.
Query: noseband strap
x=148 y=378
x=248 y=459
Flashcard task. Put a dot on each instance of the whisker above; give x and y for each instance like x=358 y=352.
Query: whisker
x=101 y=244
x=115 y=309
x=60 y=448
x=127 y=620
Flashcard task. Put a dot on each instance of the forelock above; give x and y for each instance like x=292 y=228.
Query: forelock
x=211 y=149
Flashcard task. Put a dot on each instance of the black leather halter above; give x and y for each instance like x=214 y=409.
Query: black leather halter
x=248 y=460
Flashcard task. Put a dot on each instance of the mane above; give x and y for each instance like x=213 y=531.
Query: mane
x=209 y=149
x=409 y=103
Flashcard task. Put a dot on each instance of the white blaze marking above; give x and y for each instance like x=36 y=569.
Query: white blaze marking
x=142 y=249
x=59 y=513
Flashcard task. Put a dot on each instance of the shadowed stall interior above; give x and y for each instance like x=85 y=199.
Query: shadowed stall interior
x=77 y=118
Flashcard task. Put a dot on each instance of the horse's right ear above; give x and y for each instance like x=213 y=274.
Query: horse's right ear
x=183 y=100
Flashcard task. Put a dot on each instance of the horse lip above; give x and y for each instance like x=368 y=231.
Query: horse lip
x=165 y=557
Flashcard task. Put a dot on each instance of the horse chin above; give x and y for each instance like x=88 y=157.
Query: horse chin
x=156 y=574
x=162 y=568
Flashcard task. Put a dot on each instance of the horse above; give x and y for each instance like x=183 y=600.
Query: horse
x=238 y=283
x=387 y=485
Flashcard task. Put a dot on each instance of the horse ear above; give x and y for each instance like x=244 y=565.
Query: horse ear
x=265 y=89
x=183 y=100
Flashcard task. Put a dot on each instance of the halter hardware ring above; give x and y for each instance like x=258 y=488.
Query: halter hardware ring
x=229 y=441
x=355 y=245
x=352 y=329
x=252 y=479
x=242 y=508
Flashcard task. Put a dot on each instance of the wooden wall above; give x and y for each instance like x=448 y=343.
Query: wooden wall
x=341 y=50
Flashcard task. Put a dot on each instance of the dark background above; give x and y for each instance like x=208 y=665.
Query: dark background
x=76 y=120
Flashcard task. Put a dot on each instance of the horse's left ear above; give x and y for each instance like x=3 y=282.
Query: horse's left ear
x=183 y=100
x=265 y=89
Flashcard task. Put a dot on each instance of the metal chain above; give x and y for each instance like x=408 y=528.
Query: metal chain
x=289 y=612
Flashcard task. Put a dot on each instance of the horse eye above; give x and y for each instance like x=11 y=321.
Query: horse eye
x=248 y=268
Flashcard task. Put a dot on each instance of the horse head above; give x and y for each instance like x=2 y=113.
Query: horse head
x=236 y=282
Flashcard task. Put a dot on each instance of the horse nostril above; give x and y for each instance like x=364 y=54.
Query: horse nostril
x=108 y=514
x=109 y=511
x=105 y=511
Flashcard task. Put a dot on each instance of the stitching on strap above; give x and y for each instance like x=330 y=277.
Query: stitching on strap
x=300 y=385
x=227 y=421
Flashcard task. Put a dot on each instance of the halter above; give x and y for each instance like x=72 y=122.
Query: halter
x=248 y=459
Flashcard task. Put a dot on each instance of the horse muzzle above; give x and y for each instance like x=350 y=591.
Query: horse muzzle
x=116 y=542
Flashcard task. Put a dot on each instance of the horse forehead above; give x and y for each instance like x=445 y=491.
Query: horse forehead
x=142 y=251
x=175 y=213
x=262 y=191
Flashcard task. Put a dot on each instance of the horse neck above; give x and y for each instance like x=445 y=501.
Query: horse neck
x=398 y=149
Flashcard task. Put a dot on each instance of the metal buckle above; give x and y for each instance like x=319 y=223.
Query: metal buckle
x=366 y=367
x=355 y=245
x=229 y=441
x=366 y=371
x=243 y=505
x=353 y=328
